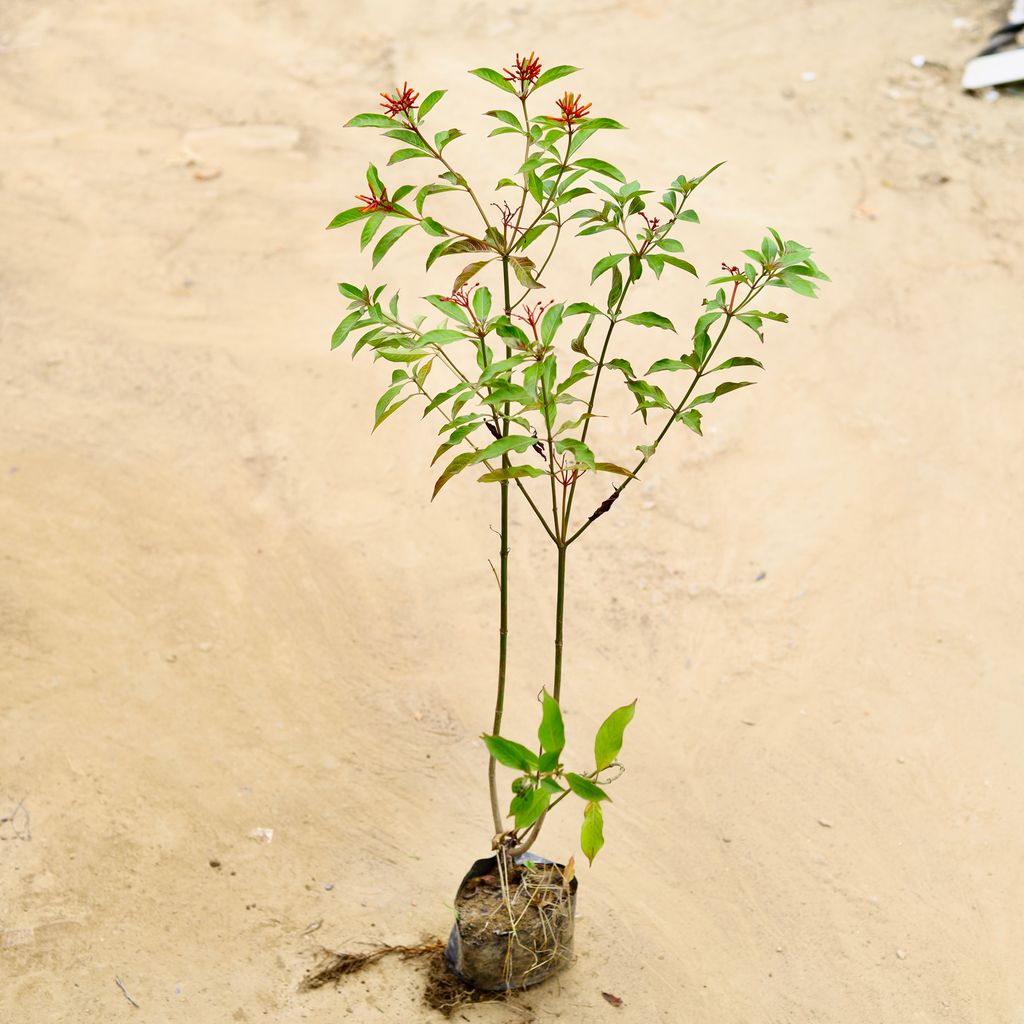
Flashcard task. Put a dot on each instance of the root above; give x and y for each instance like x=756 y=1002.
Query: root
x=446 y=993
x=337 y=965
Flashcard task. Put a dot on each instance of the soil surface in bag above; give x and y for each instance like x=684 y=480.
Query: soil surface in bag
x=512 y=931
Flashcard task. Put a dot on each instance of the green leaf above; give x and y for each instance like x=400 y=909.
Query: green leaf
x=382 y=412
x=457 y=465
x=342 y=331
x=581 y=307
x=373 y=222
x=406 y=154
x=436 y=253
x=552 y=730
x=670 y=365
x=649 y=319
x=606 y=263
x=794 y=282
x=737 y=361
x=370 y=121
x=553 y=74
x=388 y=240
x=432 y=227
x=441 y=139
x=467 y=245
x=449 y=309
x=513 y=443
x=704 y=321
x=722 y=389
x=692 y=419
x=592 y=833
x=549 y=784
x=611 y=467
x=495 y=78
x=550 y=323
x=429 y=103
x=608 y=741
x=467 y=272
x=441 y=336
x=535 y=804
x=585 y=788
x=410 y=139
x=511 y=473
x=510 y=753
x=580 y=452
x=615 y=291
x=523 y=267
x=373 y=180
x=675 y=261
x=347 y=217
x=507 y=117
x=482 y=303
x=600 y=167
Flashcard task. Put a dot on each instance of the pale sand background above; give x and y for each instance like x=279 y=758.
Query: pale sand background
x=225 y=606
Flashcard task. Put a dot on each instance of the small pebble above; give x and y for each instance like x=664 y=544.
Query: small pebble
x=901 y=953
x=214 y=863
x=328 y=886
x=919 y=60
x=808 y=76
x=824 y=823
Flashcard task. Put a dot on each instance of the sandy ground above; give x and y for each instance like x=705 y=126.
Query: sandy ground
x=224 y=606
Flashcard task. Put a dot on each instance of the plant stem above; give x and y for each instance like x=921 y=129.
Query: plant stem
x=556 y=682
x=499 y=699
x=677 y=409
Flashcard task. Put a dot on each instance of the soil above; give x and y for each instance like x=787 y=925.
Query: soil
x=234 y=628
x=515 y=927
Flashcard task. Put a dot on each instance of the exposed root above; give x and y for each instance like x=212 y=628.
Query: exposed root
x=446 y=993
x=337 y=965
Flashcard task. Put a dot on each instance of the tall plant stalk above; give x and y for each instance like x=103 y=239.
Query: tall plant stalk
x=499 y=697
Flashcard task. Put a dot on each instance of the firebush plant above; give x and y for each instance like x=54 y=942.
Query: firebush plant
x=522 y=376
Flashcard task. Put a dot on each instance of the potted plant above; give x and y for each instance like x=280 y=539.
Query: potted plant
x=514 y=383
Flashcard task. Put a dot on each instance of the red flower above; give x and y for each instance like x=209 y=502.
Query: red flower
x=573 y=109
x=402 y=102
x=525 y=71
x=532 y=315
x=374 y=202
x=461 y=297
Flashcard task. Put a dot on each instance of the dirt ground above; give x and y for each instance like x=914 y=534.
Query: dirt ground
x=225 y=607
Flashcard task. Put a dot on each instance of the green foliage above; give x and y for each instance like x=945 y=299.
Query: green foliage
x=514 y=394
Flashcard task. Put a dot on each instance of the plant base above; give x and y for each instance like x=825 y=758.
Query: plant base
x=515 y=923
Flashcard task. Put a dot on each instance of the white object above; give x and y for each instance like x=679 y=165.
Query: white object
x=995 y=69
x=262 y=835
x=919 y=60
x=808 y=76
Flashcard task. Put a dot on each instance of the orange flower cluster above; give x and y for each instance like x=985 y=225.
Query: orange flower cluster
x=402 y=102
x=573 y=109
x=374 y=202
x=525 y=71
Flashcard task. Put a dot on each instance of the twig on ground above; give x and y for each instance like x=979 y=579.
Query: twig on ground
x=120 y=985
